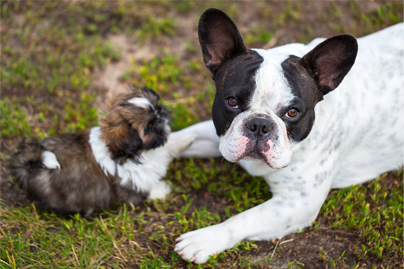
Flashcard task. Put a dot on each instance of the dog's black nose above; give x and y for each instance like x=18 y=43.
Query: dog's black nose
x=259 y=127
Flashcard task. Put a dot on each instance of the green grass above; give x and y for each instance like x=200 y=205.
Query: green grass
x=376 y=212
x=51 y=53
x=126 y=232
x=258 y=36
x=162 y=74
x=153 y=27
x=13 y=119
x=51 y=64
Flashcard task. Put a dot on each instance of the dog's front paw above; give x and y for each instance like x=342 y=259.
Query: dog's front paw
x=196 y=246
x=186 y=141
x=179 y=141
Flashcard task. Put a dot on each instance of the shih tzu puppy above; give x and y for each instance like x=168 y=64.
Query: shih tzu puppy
x=122 y=160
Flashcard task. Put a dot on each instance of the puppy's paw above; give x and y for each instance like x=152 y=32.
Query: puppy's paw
x=159 y=190
x=198 y=245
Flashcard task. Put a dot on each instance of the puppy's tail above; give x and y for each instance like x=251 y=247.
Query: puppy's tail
x=29 y=159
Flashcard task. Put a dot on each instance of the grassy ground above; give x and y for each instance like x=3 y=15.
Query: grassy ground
x=60 y=60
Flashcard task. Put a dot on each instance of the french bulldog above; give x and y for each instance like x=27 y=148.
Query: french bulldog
x=306 y=118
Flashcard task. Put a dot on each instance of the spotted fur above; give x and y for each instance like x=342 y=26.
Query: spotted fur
x=350 y=128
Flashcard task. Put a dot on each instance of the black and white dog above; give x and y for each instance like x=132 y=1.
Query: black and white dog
x=278 y=113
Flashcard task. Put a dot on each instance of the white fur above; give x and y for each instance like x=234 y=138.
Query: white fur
x=270 y=91
x=49 y=160
x=206 y=144
x=358 y=134
x=145 y=176
x=159 y=190
x=140 y=102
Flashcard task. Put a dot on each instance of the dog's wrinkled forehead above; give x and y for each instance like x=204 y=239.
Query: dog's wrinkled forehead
x=258 y=79
x=272 y=91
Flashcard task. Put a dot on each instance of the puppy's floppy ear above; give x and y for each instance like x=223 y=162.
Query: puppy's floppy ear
x=330 y=61
x=122 y=141
x=150 y=94
x=219 y=38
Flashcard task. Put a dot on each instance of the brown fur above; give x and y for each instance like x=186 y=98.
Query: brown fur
x=123 y=121
x=80 y=185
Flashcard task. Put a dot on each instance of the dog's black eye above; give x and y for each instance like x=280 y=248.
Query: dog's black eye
x=232 y=102
x=147 y=129
x=292 y=113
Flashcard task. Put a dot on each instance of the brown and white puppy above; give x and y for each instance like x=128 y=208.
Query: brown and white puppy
x=123 y=160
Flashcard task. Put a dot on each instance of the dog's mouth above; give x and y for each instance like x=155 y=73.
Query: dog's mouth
x=262 y=151
x=244 y=142
x=253 y=151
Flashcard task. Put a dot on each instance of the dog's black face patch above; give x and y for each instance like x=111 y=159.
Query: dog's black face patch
x=313 y=76
x=234 y=79
x=306 y=94
x=233 y=67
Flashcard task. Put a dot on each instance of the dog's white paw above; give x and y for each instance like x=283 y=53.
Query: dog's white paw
x=179 y=141
x=196 y=246
x=159 y=190
x=186 y=141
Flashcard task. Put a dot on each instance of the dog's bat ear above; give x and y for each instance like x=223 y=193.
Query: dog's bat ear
x=219 y=38
x=331 y=60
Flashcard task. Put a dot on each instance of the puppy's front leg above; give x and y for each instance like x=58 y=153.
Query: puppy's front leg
x=289 y=210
